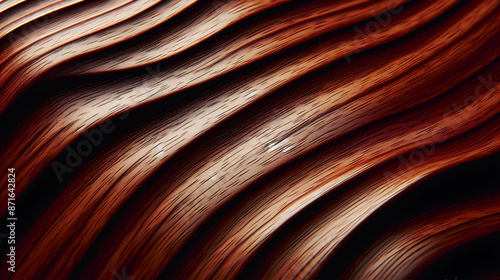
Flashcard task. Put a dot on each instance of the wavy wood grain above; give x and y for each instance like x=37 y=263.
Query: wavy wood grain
x=224 y=123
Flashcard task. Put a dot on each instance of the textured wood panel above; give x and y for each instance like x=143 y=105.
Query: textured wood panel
x=254 y=139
